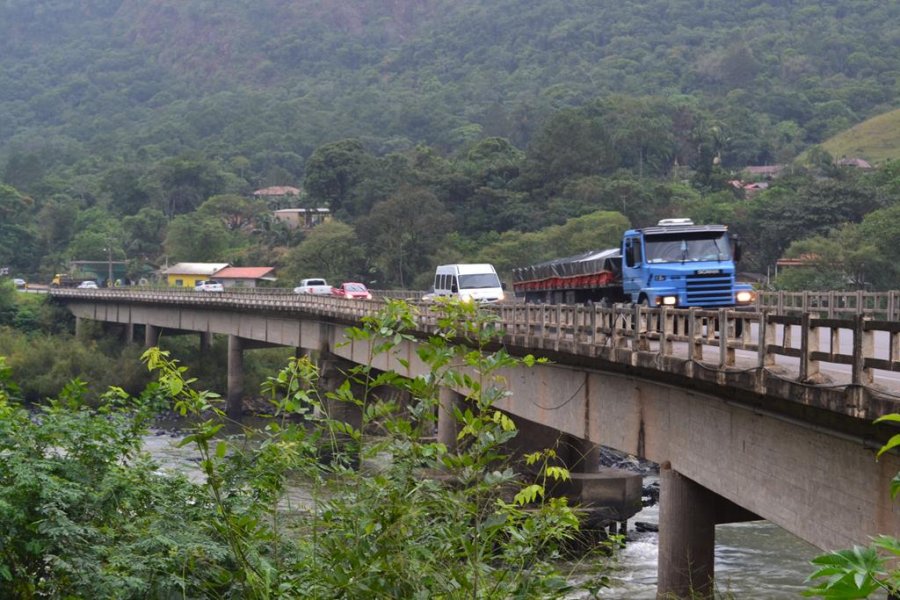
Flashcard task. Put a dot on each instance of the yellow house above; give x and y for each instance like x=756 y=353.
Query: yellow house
x=187 y=274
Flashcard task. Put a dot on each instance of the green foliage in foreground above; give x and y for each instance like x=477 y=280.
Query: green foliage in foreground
x=860 y=572
x=84 y=513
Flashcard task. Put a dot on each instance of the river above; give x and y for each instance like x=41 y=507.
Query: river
x=753 y=560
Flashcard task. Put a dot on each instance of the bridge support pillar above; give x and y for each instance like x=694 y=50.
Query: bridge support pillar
x=233 y=400
x=332 y=372
x=687 y=537
x=205 y=341
x=151 y=336
x=129 y=333
x=79 y=326
x=688 y=515
x=447 y=426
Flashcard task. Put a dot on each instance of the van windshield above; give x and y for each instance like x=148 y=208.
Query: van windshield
x=479 y=280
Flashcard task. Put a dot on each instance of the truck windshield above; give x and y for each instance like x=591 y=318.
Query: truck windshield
x=478 y=280
x=688 y=248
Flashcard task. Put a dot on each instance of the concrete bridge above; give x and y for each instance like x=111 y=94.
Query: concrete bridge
x=771 y=420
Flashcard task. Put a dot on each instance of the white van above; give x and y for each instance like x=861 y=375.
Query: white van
x=477 y=282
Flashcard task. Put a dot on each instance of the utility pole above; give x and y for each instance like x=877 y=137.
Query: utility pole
x=109 y=279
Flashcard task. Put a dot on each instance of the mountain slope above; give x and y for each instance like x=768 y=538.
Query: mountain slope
x=152 y=78
x=876 y=140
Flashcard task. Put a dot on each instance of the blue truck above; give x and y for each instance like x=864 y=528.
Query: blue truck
x=674 y=263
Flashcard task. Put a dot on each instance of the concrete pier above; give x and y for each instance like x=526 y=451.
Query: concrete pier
x=205 y=341
x=688 y=515
x=332 y=373
x=448 y=427
x=234 y=405
x=151 y=336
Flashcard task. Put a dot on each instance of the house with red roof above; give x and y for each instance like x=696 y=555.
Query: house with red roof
x=247 y=277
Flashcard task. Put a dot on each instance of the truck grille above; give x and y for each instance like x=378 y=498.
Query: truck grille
x=710 y=290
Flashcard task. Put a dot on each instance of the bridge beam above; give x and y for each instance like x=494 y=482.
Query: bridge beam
x=688 y=515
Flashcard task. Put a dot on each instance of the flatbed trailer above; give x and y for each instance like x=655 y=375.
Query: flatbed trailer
x=592 y=276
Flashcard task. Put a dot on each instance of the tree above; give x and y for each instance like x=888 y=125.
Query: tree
x=570 y=144
x=145 y=233
x=237 y=213
x=402 y=232
x=18 y=242
x=879 y=231
x=334 y=174
x=793 y=210
x=331 y=250
x=127 y=189
x=641 y=132
x=839 y=260
x=595 y=231
x=191 y=238
x=186 y=183
x=57 y=217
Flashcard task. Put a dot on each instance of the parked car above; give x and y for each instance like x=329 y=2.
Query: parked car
x=318 y=287
x=20 y=283
x=209 y=285
x=352 y=289
x=88 y=285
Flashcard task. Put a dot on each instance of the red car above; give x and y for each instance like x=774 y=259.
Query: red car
x=351 y=289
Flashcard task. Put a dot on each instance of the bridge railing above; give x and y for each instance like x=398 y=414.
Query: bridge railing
x=764 y=337
x=696 y=334
x=881 y=305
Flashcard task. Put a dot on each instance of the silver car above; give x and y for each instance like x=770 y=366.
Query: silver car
x=210 y=285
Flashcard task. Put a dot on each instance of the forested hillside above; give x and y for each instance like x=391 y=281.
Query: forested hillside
x=138 y=124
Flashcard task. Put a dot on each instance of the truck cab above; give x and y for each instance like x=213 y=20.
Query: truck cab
x=677 y=263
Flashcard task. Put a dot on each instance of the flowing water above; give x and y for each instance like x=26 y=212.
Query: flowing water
x=753 y=560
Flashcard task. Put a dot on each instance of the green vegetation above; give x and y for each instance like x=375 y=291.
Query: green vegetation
x=876 y=140
x=85 y=513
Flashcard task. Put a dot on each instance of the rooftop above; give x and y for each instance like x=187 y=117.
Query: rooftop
x=245 y=273
x=190 y=268
x=278 y=190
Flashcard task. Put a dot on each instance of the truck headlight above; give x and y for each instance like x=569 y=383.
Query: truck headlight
x=659 y=278
x=466 y=297
x=667 y=300
x=744 y=297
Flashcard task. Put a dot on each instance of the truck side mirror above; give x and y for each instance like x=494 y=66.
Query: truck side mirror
x=737 y=249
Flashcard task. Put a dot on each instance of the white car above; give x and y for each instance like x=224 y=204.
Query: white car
x=88 y=285
x=210 y=285
x=19 y=283
x=318 y=287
